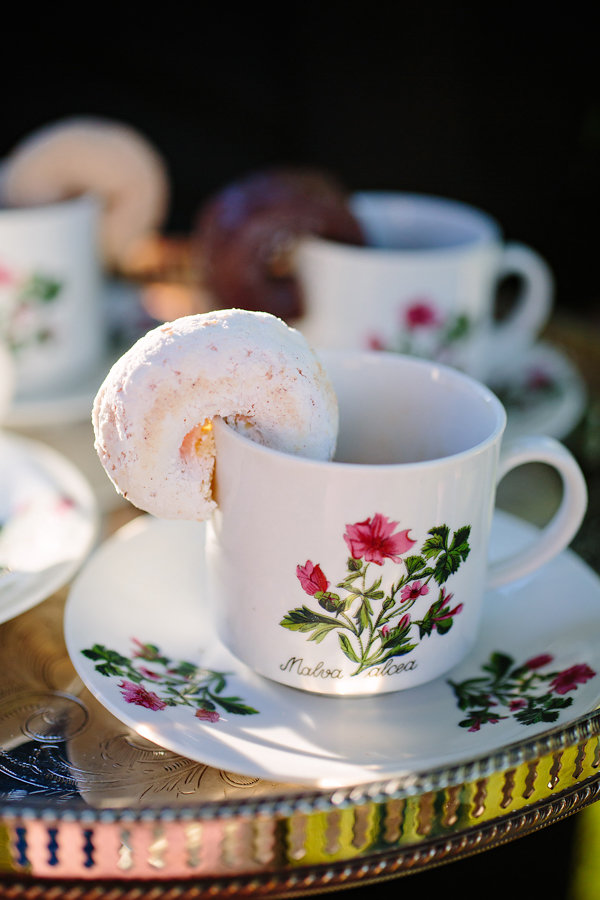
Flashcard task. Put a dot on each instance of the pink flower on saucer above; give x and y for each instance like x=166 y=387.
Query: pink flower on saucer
x=144 y=651
x=148 y=673
x=311 y=578
x=570 y=678
x=137 y=694
x=374 y=541
x=538 y=662
x=207 y=715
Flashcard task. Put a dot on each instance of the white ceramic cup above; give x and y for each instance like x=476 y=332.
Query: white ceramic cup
x=424 y=285
x=367 y=574
x=50 y=312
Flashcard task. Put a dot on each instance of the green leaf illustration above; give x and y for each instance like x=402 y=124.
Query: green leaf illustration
x=235 y=706
x=347 y=648
x=304 y=619
x=414 y=564
x=438 y=541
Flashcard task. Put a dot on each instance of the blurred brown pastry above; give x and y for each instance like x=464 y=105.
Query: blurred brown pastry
x=245 y=236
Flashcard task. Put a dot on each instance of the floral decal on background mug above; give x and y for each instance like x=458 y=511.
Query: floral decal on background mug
x=423 y=329
x=22 y=312
x=374 y=627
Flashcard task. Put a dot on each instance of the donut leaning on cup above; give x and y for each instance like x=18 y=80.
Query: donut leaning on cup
x=153 y=415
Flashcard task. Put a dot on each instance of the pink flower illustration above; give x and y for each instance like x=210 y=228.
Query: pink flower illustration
x=414 y=591
x=373 y=540
x=311 y=578
x=6 y=276
x=517 y=704
x=538 y=379
x=537 y=662
x=477 y=722
x=404 y=622
x=137 y=694
x=570 y=678
x=148 y=673
x=374 y=342
x=207 y=715
x=144 y=651
x=421 y=313
x=448 y=614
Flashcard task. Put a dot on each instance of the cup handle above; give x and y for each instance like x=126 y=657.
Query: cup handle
x=564 y=524
x=533 y=306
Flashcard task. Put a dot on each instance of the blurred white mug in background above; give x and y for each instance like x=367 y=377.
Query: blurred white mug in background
x=425 y=285
x=51 y=318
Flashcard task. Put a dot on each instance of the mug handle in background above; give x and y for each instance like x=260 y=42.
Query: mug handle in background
x=565 y=522
x=533 y=305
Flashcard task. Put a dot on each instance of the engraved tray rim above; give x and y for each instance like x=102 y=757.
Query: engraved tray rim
x=309 y=799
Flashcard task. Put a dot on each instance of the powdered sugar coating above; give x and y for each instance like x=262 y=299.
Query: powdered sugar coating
x=250 y=368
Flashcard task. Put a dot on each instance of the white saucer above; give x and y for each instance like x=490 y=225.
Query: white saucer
x=543 y=393
x=146 y=585
x=48 y=523
x=126 y=321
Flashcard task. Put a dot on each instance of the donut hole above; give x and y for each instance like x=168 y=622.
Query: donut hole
x=241 y=423
x=198 y=444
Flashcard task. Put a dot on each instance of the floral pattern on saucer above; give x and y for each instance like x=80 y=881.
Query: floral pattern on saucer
x=307 y=738
x=522 y=691
x=180 y=683
x=535 y=385
x=48 y=523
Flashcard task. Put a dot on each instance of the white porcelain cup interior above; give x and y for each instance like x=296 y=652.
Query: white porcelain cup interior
x=51 y=317
x=367 y=574
x=425 y=284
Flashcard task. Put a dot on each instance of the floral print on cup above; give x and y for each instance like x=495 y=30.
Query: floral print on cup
x=521 y=691
x=372 y=625
x=424 y=330
x=24 y=298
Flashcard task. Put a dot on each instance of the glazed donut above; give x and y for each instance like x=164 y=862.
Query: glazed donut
x=246 y=234
x=153 y=414
x=96 y=156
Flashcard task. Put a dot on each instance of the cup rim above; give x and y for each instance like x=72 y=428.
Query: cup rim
x=87 y=200
x=371 y=357
x=489 y=228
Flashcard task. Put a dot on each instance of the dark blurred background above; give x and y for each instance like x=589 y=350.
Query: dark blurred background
x=496 y=106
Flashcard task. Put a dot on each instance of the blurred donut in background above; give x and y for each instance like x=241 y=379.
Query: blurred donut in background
x=84 y=155
x=245 y=236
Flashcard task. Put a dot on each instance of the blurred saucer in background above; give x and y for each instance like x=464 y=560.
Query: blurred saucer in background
x=48 y=523
x=543 y=393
